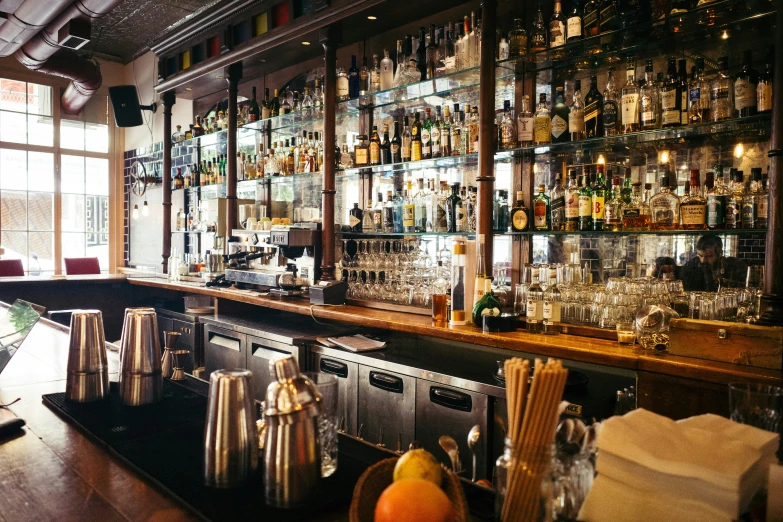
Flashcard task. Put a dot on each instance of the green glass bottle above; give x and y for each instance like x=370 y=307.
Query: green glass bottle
x=487 y=305
x=541 y=210
x=599 y=199
x=585 y=203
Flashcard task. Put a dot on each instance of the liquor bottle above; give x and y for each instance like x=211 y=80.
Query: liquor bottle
x=593 y=111
x=318 y=99
x=375 y=147
x=607 y=23
x=453 y=209
x=519 y=216
x=475 y=41
x=560 y=116
x=446 y=58
x=386 y=154
x=343 y=90
x=420 y=207
x=459 y=313
x=534 y=312
x=716 y=202
x=253 y=112
x=542 y=123
x=198 y=130
x=585 y=202
x=736 y=192
x=377 y=213
x=387 y=72
x=745 y=85
x=500 y=211
x=590 y=19
x=762 y=202
x=557 y=205
x=541 y=215
x=750 y=202
x=571 y=203
x=574 y=23
x=648 y=99
x=481 y=268
x=473 y=131
x=426 y=138
x=364 y=78
x=355 y=218
x=436 y=134
x=698 y=97
x=538 y=37
x=693 y=207
x=551 y=308
x=670 y=97
x=421 y=54
x=441 y=212
x=611 y=106
x=409 y=210
x=630 y=100
x=508 y=131
x=599 y=199
x=524 y=123
x=488 y=304
x=274 y=103
x=517 y=39
x=375 y=75
x=416 y=145
x=398 y=212
x=576 y=114
x=557 y=31
x=405 y=141
x=682 y=78
x=431 y=54
x=457 y=143
x=445 y=132
x=665 y=208
x=353 y=79
x=615 y=207
x=636 y=215
x=722 y=93
x=396 y=146
x=368 y=221
x=764 y=90
x=388 y=213
x=361 y=152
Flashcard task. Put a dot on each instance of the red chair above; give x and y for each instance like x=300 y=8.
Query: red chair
x=82 y=266
x=11 y=268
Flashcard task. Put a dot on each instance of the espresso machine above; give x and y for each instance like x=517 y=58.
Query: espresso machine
x=285 y=260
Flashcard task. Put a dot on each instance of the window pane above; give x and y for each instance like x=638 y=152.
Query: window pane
x=71 y=134
x=13 y=169
x=13 y=127
x=13 y=212
x=41 y=171
x=39 y=99
x=41 y=252
x=72 y=214
x=101 y=252
x=73 y=245
x=97 y=176
x=40 y=130
x=40 y=211
x=13 y=95
x=15 y=244
x=72 y=179
x=97 y=217
x=97 y=137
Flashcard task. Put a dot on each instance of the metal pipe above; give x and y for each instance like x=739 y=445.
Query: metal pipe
x=169 y=100
x=233 y=74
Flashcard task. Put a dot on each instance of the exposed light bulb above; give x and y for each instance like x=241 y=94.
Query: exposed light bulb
x=725 y=34
x=145 y=209
x=739 y=150
x=135 y=212
x=665 y=156
x=601 y=159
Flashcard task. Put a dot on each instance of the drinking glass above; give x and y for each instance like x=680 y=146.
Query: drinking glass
x=520 y=298
x=327 y=387
x=755 y=277
x=626 y=333
x=756 y=405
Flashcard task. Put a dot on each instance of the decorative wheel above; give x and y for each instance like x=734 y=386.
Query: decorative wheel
x=138 y=178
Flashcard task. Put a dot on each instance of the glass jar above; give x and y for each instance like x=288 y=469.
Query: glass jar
x=361 y=152
x=505 y=467
x=517 y=39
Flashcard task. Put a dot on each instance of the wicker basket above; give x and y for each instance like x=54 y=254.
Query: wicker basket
x=377 y=478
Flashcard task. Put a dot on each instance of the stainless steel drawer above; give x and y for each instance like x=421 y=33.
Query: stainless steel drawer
x=260 y=353
x=223 y=349
x=387 y=402
x=445 y=410
x=347 y=374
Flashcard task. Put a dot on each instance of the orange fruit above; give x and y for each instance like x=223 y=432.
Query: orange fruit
x=413 y=500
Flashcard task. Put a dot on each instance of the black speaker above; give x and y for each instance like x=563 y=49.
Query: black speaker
x=125 y=101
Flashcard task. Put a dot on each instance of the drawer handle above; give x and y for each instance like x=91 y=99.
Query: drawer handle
x=225 y=342
x=386 y=382
x=335 y=368
x=451 y=399
x=184 y=330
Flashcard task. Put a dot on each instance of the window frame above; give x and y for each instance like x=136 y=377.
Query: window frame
x=58 y=152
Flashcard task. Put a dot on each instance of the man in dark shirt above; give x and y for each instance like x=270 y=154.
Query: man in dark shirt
x=710 y=271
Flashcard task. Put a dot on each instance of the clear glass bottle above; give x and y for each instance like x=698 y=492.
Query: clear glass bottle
x=388 y=213
x=551 y=308
x=538 y=37
x=630 y=100
x=473 y=130
x=576 y=114
x=343 y=93
x=517 y=39
x=762 y=202
x=368 y=221
x=698 y=96
x=716 y=201
x=722 y=93
x=375 y=74
x=542 y=123
x=420 y=207
x=636 y=214
x=611 y=106
x=409 y=210
x=648 y=100
x=745 y=88
x=693 y=207
x=387 y=72
x=398 y=212
x=534 y=313
x=525 y=123
x=441 y=221
x=364 y=78
x=615 y=207
x=508 y=131
x=665 y=208
x=734 y=199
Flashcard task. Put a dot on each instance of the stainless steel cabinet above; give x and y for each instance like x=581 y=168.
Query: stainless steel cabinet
x=347 y=374
x=223 y=349
x=445 y=410
x=260 y=353
x=387 y=403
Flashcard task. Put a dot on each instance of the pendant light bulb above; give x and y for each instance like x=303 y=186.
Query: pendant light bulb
x=135 y=212
x=145 y=209
x=739 y=150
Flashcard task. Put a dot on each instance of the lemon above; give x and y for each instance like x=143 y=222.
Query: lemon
x=418 y=463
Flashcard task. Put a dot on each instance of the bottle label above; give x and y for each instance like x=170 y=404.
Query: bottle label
x=749 y=214
x=610 y=114
x=406 y=149
x=670 y=116
x=375 y=153
x=450 y=63
x=524 y=129
x=631 y=213
x=478 y=288
x=733 y=213
x=556 y=34
x=342 y=87
x=557 y=204
x=264 y=113
x=395 y=149
x=551 y=312
x=415 y=150
x=599 y=208
x=576 y=121
x=592 y=113
x=744 y=94
x=716 y=210
x=630 y=108
x=519 y=220
x=425 y=141
x=507 y=135
x=361 y=156
x=574 y=26
x=693 y=214
x=762 y=210
x=684 y=107
x=647 y=108
x=585 y=206
x=668 y=99
x=608 y=14
x=531 y=310
x=559 y=126
x=353 y=221
x=542 y=126
x=764 y=96
x=539 y=214
x=408 y=217
x=572 y=205
x=435 y=140
x=591 y=22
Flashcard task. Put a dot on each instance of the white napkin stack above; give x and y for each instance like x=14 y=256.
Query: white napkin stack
x=651 y=468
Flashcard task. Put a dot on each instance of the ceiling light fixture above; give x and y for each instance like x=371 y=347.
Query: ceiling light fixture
x=725 y=34
x=371 y=17
x=601 y=159
x=135 y=212
x=665 y=156
x=739 y=150
x=145 y=209
x=218 y=77
x=188 y=88
x=305 y=43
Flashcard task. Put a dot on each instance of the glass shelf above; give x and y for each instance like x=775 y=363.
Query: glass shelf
x=751 y=127
x=297 y=119
x=652 y=37
x=603 y=233
x=433 y=163
x=352 y=235
x=192 y=231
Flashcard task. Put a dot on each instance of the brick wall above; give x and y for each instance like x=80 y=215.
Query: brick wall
x=751 y=248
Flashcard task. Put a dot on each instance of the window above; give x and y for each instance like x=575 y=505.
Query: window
x=39 y=175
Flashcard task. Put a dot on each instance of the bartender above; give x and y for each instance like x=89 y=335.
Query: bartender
x=710 y=270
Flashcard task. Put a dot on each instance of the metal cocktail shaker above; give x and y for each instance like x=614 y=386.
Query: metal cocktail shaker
x=141 y=379
x=292 y=458
x=88 y=372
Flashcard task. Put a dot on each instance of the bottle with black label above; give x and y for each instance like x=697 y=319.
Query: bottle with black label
x=519 y=216
x=355 y=218
x=557 y=205
x=716 y=202
x=611 y=107
x=594 y=101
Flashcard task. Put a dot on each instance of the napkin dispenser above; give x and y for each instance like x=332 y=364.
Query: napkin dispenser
x=328 y=293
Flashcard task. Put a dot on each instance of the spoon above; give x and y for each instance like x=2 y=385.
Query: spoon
x=449 y=445
x=473 y=437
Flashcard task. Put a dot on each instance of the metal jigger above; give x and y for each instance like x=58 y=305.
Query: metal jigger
x=168 y=363
x=141 y=379
x=88 y=373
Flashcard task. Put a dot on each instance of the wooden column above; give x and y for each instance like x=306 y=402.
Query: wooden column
x=486 y=158
x=773 y=260
x=328 y=39
x=233 y=74
x=169 y=99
